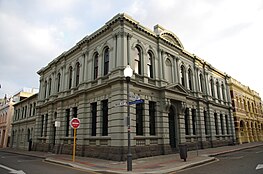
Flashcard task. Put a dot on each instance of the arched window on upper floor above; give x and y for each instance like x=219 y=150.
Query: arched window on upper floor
x=96 y=66
x=106 y=60
x=70 y=77
x=223 y=92
x=49 y=86
x=190 y=79
x=218 y=90
x=138 y=60
x=201 y=80
x=45 y=89
x=248 y=105
x=77 y=73
x=58 y=82
x=182 y=72
x=212 y=87
x=150 y=64
x=168 y=70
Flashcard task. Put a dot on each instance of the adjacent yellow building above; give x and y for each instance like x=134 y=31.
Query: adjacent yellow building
x=247 y=112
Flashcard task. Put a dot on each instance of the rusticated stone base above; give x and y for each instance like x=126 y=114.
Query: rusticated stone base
x=120 y=153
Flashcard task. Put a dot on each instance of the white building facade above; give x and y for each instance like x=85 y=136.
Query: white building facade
x=186 y=100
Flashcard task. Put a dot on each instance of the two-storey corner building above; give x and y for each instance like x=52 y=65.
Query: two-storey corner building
x=6 y=113
x=24 y=121
x=186 y=100
x=247 y=112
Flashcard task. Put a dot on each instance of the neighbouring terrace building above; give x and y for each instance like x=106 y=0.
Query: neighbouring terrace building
x=7 y=113
x=24 y=121
x=247 y=112
x=186 y=100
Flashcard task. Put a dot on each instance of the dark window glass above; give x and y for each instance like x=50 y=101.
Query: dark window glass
x=42 y=125
x=67 y=121
x=226 y=120
x=186 y=121
x=59 y=78
x=94 y=118
x=104 y=117
x=183 y=76
x=96 y=65
x=222 y=124
x=46 y=124
x=106 y=61
x=139 y=119
x=77 y=73
x=152 y=111
x=137 y=59
x=190 y=81
x=194 y=121
x=150 y=65
x=206 y=122
x=70 y=78
x=216 y=123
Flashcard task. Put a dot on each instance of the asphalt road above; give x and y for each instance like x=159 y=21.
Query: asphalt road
x=248 y=161
x=20 y=164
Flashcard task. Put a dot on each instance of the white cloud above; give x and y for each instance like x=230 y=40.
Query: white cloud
x=225 y=33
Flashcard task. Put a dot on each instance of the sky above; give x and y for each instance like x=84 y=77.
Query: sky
x=228 y=34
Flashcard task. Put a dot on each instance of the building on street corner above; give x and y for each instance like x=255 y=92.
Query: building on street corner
x=247 y=112
x=185 y=100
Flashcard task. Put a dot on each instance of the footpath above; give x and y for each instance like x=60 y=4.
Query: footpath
x=150 y=165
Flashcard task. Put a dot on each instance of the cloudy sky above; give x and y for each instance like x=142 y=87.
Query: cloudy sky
x=226 y=33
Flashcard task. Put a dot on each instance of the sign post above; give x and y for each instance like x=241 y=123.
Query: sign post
x=74 y=123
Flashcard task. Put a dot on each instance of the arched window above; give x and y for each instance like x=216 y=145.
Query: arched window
x=201 y=82
x=49 y=86
x=150 y=64
x=96 y=65
x=168 y=70
x=77 y=73
x=218 y=90
x=45 y=89
x=106 y=61
x=58 y=82
x=183 y=76
x=190 y=79
x=138 y=59
x=212 y=87
x=70 y=78
x=223 y=92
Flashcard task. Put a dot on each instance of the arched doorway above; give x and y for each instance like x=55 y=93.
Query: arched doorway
x=172 y=127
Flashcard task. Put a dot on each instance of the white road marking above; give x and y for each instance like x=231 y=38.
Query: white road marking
x=259 y=166
x=12 y=170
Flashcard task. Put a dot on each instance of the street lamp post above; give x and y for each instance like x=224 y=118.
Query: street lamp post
x=128 y=73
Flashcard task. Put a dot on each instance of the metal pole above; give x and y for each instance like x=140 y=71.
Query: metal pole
x=74 y=146
x=129 y=155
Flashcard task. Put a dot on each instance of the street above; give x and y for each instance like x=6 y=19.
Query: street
x=21 y=164
x=247 y=161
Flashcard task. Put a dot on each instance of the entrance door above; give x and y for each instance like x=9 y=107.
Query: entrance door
x=172 y=128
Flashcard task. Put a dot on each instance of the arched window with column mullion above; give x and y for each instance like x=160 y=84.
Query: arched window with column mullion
x=138 y=60
x=190 y=79
x=58 y=82
x=212 y=87
x=201 y=79
x=218 y=90
x=106 y=60
x=95 y=65
x=70 y=77
x=183 y=75
x=150 y=64
x=77 y=73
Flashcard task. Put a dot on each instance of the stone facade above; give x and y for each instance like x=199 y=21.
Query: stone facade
x=186 y=100
x=24 y=121
x=247 y=112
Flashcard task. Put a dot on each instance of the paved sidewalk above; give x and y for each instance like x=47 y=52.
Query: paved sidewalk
x=157 y=164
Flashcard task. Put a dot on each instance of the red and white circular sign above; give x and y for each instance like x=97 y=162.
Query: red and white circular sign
x=75 y=123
